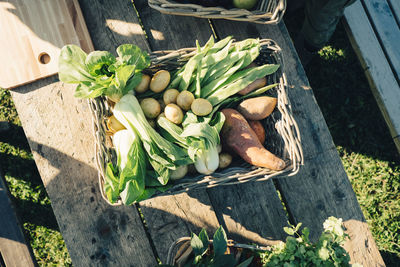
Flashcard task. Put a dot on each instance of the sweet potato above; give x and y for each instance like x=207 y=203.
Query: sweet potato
x=258 y=128
x=257 y=108
x=238 y=135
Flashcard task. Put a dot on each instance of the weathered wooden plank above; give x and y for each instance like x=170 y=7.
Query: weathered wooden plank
x=377 y=69
x=59 y=130
x=14 y=250
x=386 y=29
x=321 y=188
x=234 y=205
x=171 y=217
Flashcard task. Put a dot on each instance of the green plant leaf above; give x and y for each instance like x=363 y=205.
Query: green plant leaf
x=288 y=230
x=220 y=241
x=204 y=237
x=97 y=63
x=71 y=65
x=133 y=55
x=197 y=245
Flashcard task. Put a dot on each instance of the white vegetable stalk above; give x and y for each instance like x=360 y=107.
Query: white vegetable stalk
x=207 y=160
x=123 y=141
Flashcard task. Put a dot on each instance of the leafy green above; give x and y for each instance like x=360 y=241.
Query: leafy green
x=163 y=155
x=200 y=138
x=127 y=180
x=100 y=72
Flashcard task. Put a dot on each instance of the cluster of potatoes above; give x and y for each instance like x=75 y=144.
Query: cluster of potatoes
x=173 y=103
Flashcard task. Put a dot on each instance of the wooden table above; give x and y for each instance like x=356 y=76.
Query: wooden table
x=59 y=129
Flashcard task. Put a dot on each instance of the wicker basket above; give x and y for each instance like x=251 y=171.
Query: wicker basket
x=283 y=138
x=266 y=11
x=180 y=250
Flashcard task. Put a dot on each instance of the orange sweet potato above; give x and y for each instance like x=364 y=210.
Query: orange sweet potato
x=258 y=128
x=238 y=135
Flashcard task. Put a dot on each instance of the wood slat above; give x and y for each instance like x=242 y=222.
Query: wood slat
x=321 y=188
x=395 y=6
x=377 y=69
x=386 y=29
x=14 y=250
x=59 y=130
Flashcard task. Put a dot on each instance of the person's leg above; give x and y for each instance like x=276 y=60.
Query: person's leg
x=321 y=18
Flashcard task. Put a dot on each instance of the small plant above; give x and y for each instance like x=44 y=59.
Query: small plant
x=299 y=251
x=296 y=251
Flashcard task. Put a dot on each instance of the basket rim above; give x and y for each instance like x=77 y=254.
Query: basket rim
x=259 y=15
x=236 y=174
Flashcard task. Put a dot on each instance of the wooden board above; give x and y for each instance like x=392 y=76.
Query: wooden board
x=14 y=250
x=32 y=32
x=378 y=70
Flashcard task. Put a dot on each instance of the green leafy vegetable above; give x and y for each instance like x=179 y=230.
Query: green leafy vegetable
x=162 y=154
x=100 y=72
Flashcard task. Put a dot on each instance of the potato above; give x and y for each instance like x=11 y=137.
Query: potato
x=258 y=128
x=173 y=113
x=257 y=84
x=114 y=125
x=185 y=99
x=179 y=173
x=143 y=85
x=170 y=96
x=201 y=107
x=225 y=160
x=160 y=81
x=151 y=108
x=257 y=108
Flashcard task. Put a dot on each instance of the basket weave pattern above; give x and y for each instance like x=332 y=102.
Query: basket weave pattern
x=283 y=137
x=266 y=11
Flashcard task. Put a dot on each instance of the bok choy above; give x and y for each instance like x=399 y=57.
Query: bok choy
x=199 y=136
x=127 y=180
x=163 y=155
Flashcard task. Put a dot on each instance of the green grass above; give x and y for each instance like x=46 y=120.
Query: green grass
x=354 y=120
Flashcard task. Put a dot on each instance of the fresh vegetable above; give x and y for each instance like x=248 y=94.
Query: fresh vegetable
x=114 y=125
x=225 y=160
x=257 y=108
x=185 y=100
x=162 y=154
x=201 y=139
x=253 y=86
x=160 y=81
x=100 y=73
x=238 y=135
x=173 y=113
x=143 y=86
x=179 y=173
x=151 y=108
x=126 y=180
x=170 y=96
x=201 y=107
x=259 y=130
